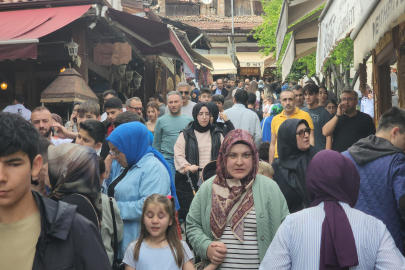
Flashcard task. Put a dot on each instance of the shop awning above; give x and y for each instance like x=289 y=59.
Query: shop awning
x=302 y=43
x=291 y=12
x=151 y=37
x=21 y=29
x=222 y=64
x=379 y=18
x=337 y=21
x=254 y=59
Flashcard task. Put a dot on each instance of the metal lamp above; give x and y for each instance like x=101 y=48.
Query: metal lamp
x=73 y=48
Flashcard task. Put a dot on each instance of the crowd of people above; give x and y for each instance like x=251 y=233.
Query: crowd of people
x=235 y=175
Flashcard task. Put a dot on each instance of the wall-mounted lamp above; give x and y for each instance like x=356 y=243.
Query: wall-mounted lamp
x=73 y=48
x=3 y=86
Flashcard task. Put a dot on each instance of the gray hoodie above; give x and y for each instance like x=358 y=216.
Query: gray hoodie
x=372 y=148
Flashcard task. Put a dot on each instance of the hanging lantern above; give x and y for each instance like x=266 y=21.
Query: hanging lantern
x=3 y=86
x=137 y=80
x=129 y=74
x=121 y=69
x=73 y=48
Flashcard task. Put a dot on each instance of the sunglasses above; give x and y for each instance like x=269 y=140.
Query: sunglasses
x=184 y=92
x=302 y=132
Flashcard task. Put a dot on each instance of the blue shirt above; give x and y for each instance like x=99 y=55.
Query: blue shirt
x=367 y=106
x=147 y=177
x=297 y=243
x=218 y=92
x=266 y=128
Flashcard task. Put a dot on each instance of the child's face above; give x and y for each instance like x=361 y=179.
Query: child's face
x=205 y=97
x=156 y=220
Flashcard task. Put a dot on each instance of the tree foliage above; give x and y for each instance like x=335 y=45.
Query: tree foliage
x=266 y=36
x=343 y=55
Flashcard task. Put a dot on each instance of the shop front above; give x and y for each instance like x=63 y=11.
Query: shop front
x=381 y=34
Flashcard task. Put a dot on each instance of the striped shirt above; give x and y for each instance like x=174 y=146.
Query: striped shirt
x=297 y=242
x=242 y=255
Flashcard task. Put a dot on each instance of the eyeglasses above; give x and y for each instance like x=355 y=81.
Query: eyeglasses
x=302 y=132
x=112 y=153
x=184 y=92
x=201 y=114
x=348 y=99
x=136 y=109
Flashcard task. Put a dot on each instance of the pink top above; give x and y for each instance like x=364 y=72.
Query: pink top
x=204 y=150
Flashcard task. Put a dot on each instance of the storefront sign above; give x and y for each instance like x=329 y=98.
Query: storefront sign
x=282 y=27
x=249 y=71
x=289 y=57
x=339 y=20
x=251 y=64
x=112 y=54
x=378 y=23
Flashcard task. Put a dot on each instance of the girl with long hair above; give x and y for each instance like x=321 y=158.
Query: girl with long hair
x=152 y=111
x=158 y=245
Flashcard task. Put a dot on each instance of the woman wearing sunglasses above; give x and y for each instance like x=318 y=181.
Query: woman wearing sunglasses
x=295 y=153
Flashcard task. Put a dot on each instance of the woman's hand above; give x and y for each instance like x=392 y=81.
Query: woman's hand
x=216 y=252
x=192 y=168
x=223 y=116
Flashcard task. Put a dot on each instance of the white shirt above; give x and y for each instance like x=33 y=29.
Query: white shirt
x=19 y=109
x=297 y=243
x=104 y=115
x=187 y=110
x=60 y=141
x=246 y=119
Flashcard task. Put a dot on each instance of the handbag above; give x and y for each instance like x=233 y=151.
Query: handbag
x=117 y=263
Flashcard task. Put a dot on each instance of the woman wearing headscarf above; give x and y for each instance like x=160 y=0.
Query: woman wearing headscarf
x=74 y=178
x=225 y=124
x=235 y=214
x=332 y=234
x=291 y=165
x=144 y=172
x=196 y=146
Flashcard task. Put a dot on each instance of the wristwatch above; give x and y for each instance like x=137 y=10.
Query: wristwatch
x=338 y=115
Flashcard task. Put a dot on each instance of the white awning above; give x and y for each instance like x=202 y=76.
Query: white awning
x=374 y=23
x=222 y=64
x=255 y=59
x=288 y=58
x=336 y=22
x=302 y=43
x=291 y=12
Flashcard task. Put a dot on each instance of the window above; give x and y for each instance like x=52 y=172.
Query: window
x=219 y=50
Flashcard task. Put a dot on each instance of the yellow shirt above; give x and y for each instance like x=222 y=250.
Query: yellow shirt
x=279 y=119
x=18 y=242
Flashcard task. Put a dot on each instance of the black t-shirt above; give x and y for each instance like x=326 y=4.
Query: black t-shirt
x=349 y=130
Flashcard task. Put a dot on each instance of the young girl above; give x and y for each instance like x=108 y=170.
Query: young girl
x=323 y=96
x=159 y=246
x=152 y=111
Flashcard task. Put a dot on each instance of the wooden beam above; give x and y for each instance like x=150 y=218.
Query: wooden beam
x=100 y=70
x=306 y=40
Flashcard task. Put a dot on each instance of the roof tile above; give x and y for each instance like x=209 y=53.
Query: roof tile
x=215 y=22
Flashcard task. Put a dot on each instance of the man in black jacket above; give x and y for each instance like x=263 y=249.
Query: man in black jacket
x=221 y=90
x=36 y=232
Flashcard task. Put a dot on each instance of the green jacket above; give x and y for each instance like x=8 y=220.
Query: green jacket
x=270 y=206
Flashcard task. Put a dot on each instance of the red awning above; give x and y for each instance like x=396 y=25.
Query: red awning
x=20 y=29
x=151 y=37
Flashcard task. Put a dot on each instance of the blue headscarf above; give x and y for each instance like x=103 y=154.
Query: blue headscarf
x=132 y=139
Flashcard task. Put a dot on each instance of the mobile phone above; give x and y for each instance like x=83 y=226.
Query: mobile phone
x=53 y=130
x=75 y=119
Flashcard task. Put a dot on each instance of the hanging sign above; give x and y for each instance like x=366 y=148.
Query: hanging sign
x=112 y=54
x=249 y=71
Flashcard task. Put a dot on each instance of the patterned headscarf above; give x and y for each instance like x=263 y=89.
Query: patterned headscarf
x=73 y=169
x=224 y=197
x=276 y=109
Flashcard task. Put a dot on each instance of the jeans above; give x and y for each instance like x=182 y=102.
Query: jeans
x=170 y=161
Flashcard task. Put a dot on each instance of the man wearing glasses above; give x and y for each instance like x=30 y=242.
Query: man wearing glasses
x=184 y=89
x=135 y=105
x=348 y=125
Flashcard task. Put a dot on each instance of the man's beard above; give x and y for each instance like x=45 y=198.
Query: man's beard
x=47 y=133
